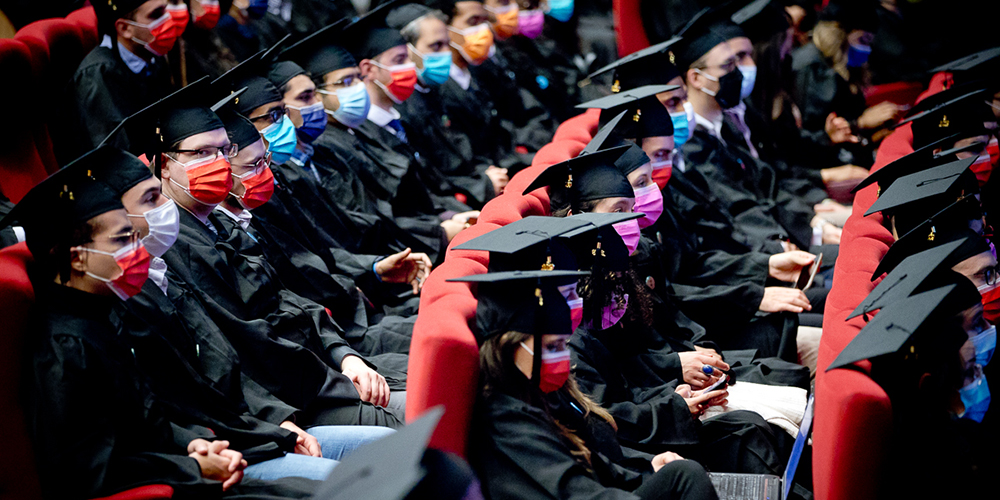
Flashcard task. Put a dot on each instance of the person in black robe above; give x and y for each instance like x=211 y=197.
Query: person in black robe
x=536 y=435
x=124 y=74
x=80 y=359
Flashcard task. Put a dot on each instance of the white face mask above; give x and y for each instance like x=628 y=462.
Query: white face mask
x=164 y=226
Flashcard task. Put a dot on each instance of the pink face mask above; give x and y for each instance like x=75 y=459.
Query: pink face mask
x=530 y=22
x=649 y=201
x=611 y=315
x=629 y=231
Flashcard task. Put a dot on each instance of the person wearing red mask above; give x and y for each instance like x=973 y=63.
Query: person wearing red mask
x=125 y=73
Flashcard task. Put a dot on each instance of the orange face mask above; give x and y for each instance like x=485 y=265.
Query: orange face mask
x=476 y=45
x=506 y=24
x=209 y=180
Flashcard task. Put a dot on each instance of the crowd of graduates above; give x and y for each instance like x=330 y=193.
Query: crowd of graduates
x=228 y=266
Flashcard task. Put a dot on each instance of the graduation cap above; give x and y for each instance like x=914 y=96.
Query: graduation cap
x=897 y=326
x=523 y=233
x=403 y=15
x=282 y=72
x=239 y=128
x=369 y=36
x=605 y=136
x=395 y=466
x=321 y=52
x=949 y=112
x=852 y=14
x=650 y=66
x=633 y=158
x=761 y=19
x=646 y=115
x=68 y=197
x=923 y=187
x=252 y=75
x=598 y=247
x=951 y=224
x=914 y=274
x=919 y=159
x=974 y=66
x=584 y=178
x=710 y=27
x=109 y=11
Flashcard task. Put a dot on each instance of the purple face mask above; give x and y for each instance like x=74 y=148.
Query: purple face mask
x=629 y=231
x=530 y=22
x=611 y=315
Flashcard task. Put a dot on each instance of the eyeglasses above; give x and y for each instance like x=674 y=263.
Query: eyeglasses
x=275 y=114
x=229 y=151
x=346 y=81
x=256 y=167
x=124 y=238
x=989 y=275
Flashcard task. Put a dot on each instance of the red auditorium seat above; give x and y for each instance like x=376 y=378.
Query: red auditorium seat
x=21 y=165
x=628 y=27
x=86 y=20
x=903 y=93
x=18 y=478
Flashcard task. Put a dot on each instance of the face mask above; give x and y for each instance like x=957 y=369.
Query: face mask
x=437 y=67
x=257 y=9
x=857 y=55
x=478 y=41
x=257 y=188
x=648 y=200
x=993 y=148
x=991 y=304
x=982 y=167
x=575 y=312
x=629 y=231
x=561 y=10
x=662 y=170
x=210 y=15
x=404 y=78
x=682 y=130
x=313 y=122
x=280 y=139
x=507 y=18
x=133 y=260
x=164 y=224
x=165 y=31
x=209 y=180
x=749 y=77
x=985 y=343
x=354 y=105
x=554 y=371
x=611 y=315
x=976 y=399
x=530 y=23
x=729 y=88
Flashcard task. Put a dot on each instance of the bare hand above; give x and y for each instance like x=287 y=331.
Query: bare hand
x=691 y=366
x=452 y=227
x=839 y=130
x=788 y=246
x=877 y=115
x=779 y=298
x=405 y=267
x=842 y=173
x=498 y=176
x=699 y=401
x=787 y=266
x=466 y=217
x=218 y=462
x=663 y=459
x=371 y=386
x=305 y=443
x=831 y=234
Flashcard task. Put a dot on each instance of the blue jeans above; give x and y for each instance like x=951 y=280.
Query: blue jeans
x=336 y=441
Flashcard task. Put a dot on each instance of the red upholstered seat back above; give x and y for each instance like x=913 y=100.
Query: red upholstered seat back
x=21 y=165
x=444 y=356
x=628 y=27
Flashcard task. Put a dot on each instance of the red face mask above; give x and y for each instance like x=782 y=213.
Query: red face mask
x=662 y=170
x=258 y=188
x=982 y=167
x=210 y=14
x=575 y=312
x=134 y=262
x=209 y=180
x=991 y=304
x=404 y=81
x=554 y=371
x=993 y=148
x=165 y=30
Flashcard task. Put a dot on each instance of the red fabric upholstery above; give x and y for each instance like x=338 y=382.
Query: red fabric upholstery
x=579 y=127
x=86 y=21
x=904 y=93
x=150 y=492
x=444 y=356
x=628 y=27
x=21 y=165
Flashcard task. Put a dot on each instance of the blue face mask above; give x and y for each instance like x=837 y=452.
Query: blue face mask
x=857 y=55
x=985 y=343
x=976 y=398
x=682 y=125
x=257 y=9
x=749 y=77
x=281 y=140
x=437 y=67
x=561 y=10
x=354 y=105
x=313 y=122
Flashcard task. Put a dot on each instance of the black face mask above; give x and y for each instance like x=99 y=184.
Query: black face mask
x=729 y=89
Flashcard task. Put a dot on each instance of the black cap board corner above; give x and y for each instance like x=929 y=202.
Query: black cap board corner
x=921 y=185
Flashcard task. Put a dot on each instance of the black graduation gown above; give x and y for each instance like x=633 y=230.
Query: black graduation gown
x=818 y=90
x=446 y=148
x=544 y=71
x=101 y=93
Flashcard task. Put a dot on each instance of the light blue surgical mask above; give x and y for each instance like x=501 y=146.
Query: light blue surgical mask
x=749 y=77
x=985 y=343
x=976 y=398
x=313 y=122
x=682 y=125
x=280 y=139
x=561 y=10
x=437 y=67
x=857 y=55
x=354 y=105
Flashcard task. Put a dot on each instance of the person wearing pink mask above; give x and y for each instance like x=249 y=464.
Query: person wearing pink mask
x=125 y=73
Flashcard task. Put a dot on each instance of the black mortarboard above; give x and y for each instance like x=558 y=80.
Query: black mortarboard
x=633 y=158
x=895 y=326
x=120 y=170
x=64 y=199
x=949 y=112
x=109 y=11
x=239 y=128
x=852 y=14
x=970 y=62
x=252 y=74
x=369 y=36
x=598 y=247
x=702 y=33
x=389 y=468
x=646 y=115
x=584 y=178
x=761 y=19
x=522 y=233
x=914 y=274
x=926 y=186
x=938 y=230
x=321 y=52
x=605 y=137
x=403 y=15
x=282 y=72
x=445 y=6
x=911 y=163
x=649 y=66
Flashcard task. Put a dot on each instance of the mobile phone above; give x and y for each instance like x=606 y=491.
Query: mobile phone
x=716 y=385
x=806 y=278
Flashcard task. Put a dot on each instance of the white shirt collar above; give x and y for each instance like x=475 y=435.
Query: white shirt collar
x=463 y=77
x=135 y=63
x=714 y=127
x=243 y=219
x=158 y=273
x=381 y=117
